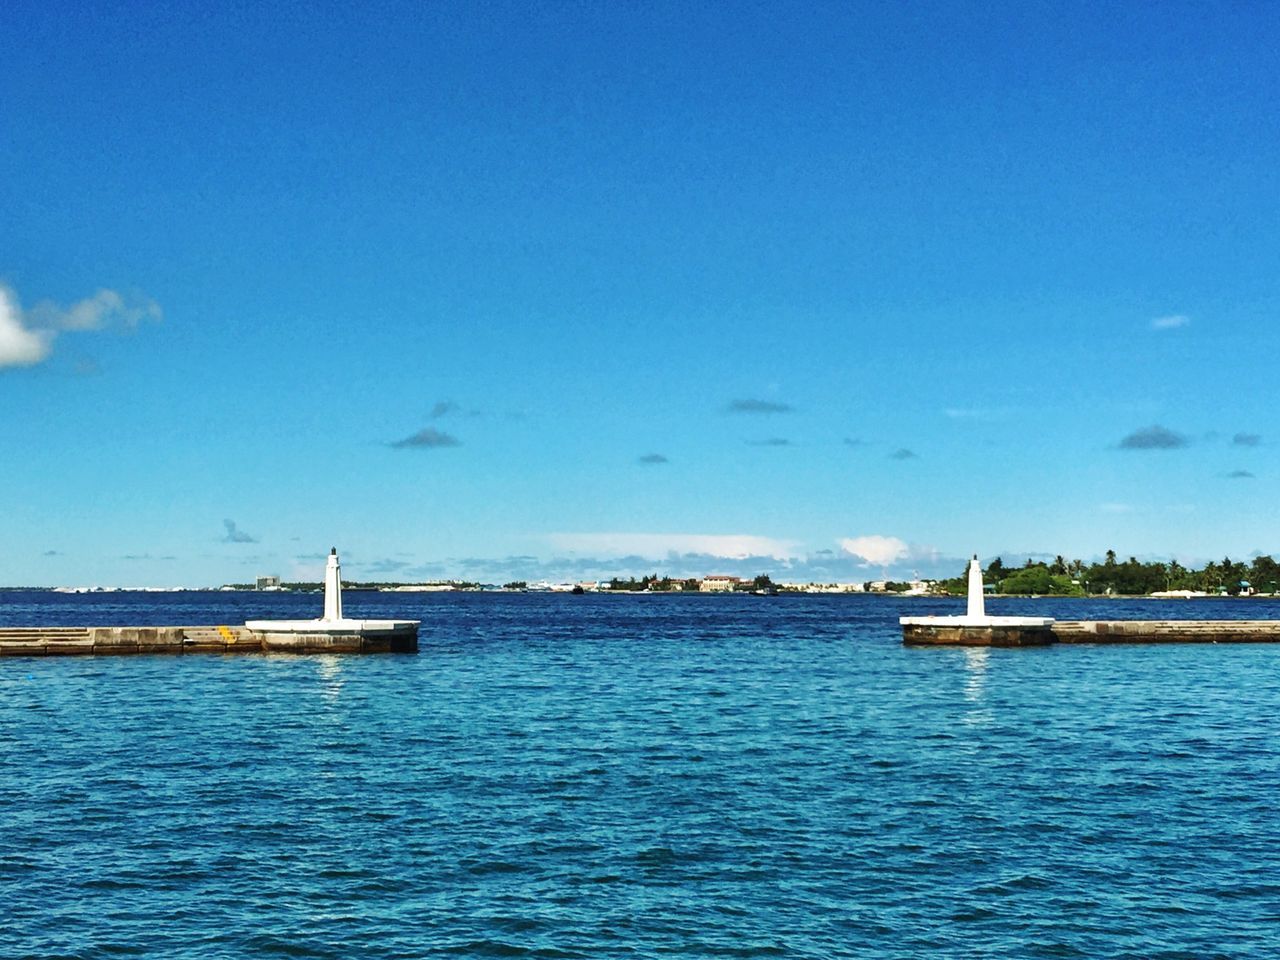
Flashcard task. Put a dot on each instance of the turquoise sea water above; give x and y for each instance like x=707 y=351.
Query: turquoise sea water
x=556 y=776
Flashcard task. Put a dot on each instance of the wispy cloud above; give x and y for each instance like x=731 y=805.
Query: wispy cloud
x=770 y=442
x=442 y=408
x=733 y=556
x=1246 y=440
x=1154 y=437
x=385 y=566
x=1115 y=507
x=653 y=459
x=105 y=308
x=854 y=442
x=1240 y=475
x=235 y=535
x=902 y=453
x=875 y=548
x=660 y=545
x=428 y=438
x=765 y=407
x=27 y=339
x=1172 y=322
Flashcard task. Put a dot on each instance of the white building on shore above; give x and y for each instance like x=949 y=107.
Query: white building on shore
x=719 y=583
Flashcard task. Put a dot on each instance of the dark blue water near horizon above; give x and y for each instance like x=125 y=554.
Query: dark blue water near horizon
x=556 y=776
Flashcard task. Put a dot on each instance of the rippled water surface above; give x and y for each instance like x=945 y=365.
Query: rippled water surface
x=556 y=776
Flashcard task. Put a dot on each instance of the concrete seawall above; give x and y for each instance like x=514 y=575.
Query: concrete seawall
x=966 y=635
x=114 y=641
x=1167 y=631
x=1097 y=631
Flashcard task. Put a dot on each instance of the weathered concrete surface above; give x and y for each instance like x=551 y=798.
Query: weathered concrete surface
x=1097 y=631
x=925 y=635
x=22 y=642
x=72 y=641
x=1167 y=631
x=385 y=641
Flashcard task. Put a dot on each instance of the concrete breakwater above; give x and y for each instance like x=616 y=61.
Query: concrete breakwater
x=1092 y=631
x=70 y=641
x=331 y=633
x=976 y=629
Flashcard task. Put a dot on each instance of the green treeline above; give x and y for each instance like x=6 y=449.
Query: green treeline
x=651 y=584
x=1130 y=578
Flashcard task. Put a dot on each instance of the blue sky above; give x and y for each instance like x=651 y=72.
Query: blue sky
x=503 y=290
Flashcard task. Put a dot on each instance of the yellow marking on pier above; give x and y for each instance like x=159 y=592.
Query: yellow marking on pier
x=227 y=635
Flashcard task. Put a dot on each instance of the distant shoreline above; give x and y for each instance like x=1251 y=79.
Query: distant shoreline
x=883 y=594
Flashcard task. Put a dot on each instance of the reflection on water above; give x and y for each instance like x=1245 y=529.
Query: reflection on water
x=331 y=677
x=976 y=661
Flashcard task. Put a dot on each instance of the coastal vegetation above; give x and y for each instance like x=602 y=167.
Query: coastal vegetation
x=651 y=583
x=1062 y=577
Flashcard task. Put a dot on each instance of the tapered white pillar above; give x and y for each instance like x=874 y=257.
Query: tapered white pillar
x=333 y=587
x=977 y=607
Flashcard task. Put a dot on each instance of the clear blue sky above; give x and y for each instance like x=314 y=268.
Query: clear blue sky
x=521 y=290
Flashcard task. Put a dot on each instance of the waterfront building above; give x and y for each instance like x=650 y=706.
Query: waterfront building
x=719 y=583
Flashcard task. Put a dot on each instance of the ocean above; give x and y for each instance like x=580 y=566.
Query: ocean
x=641 y=776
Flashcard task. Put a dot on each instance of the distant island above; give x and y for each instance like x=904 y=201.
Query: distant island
x=1038 y=578
x=1057 y=578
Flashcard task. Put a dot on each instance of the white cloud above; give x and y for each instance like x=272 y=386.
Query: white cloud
x=876 y=549
x=19 y=346
x=27 y=338
x=661 y=545
x=1171 y=322
x=104 y=308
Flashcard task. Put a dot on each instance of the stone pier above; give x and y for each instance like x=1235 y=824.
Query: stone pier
x=70 y=641
x=918 y=634
x=977 y=629
x=331 y=633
